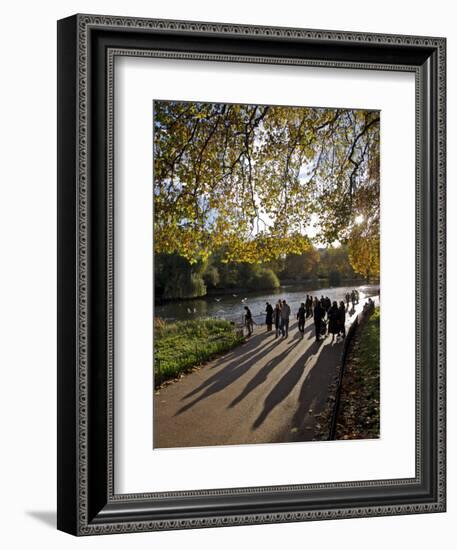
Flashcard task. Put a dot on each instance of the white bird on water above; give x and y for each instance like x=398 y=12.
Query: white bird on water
x=217 y=299
x=234 y=295
x=189 y=310
x=243 y=300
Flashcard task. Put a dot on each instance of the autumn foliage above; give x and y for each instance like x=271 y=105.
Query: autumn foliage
x=262 y=182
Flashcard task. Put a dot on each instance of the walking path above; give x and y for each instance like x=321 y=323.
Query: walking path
x=265 y=391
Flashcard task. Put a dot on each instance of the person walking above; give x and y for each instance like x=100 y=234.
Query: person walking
x=301 y=315
x=277 y=318
x=348 y=299
x=309 y=307
x=353 y=299
x=248 y=321
x=269 y=316
x=322 y=301
x=342 y=320
x=328 y=304
x=285 y=315
x=318 y=315
x=333 y=325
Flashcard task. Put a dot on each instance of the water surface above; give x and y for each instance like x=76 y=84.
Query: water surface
x=230 y=306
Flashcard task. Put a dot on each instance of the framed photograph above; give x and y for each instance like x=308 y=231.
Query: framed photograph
x=251 y=274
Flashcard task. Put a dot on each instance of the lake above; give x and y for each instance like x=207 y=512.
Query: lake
x=230 y=306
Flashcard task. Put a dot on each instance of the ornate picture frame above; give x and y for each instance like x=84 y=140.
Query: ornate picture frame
x=87 y=47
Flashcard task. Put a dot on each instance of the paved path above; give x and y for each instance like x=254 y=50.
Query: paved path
x=265 y=391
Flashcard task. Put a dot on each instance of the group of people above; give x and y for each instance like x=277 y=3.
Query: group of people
x=328 y=317
x=278 y=316
x=352 y=297
x=368 y=306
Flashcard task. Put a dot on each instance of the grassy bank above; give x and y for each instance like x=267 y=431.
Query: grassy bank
x=358 y=416
x=182 y=345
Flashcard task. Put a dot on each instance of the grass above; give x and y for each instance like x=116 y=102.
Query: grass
x=358 y=416
x=182 y=345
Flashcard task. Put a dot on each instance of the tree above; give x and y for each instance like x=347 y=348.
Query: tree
x=301 y=266
x=364 y=237
x=211 y=276
x=175 y=277
x=263 y=278
x=364 y=253
x=252 y=178
x=335 y=258
x=252 y=276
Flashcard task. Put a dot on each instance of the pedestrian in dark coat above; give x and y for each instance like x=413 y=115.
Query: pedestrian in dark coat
x=277 y=318
x=269 y=316
x=342 y=319
x=301 y=318
x=248 y=320
x=318 y=315
x=333 y=326
x=328 y=304
x=309 y=306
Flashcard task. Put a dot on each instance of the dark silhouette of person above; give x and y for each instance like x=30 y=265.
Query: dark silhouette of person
x=309 y=306
x=328 y=304
x=301 y=315
x=277 y=318
x=318 y=315
x=348 y=299
x=285 y=315
x=342 y=319
x=333 y=325
x=368 y=307
x=269 y=316
x=248 y=321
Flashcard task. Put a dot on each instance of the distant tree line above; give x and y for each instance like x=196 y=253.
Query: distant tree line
x=176 y=277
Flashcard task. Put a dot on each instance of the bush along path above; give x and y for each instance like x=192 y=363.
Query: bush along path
x=359 y=407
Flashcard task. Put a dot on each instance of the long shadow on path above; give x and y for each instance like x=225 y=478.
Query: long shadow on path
x=263 y=373
x=321 y=375
x=235 y=360
x=226 y=376
x=286 y=384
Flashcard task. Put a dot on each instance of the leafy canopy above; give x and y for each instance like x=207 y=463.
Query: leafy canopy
x=254 y=179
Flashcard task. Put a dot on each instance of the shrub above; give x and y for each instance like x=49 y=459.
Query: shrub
x=262 y=279
x=211 y=276
x=181 y=345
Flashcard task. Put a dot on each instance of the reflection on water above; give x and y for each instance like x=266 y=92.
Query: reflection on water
x=230 y=306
